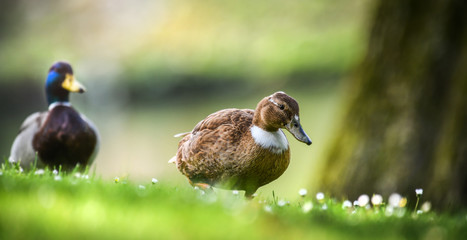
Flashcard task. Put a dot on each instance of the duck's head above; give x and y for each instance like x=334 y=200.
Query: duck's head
x=60 y=82
x=279 y=110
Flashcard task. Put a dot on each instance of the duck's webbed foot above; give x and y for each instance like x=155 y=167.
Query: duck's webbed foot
x=203 y=186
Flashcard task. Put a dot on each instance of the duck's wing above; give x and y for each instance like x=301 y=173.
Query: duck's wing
x=22 y=150
x=93 y=127
x=209 y=149
x=220 y=129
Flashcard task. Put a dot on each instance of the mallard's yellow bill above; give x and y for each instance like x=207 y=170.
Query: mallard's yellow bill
x=72 y=85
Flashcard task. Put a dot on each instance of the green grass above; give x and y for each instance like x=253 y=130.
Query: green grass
x=44 y=206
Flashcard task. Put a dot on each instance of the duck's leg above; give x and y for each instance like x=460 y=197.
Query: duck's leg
x=249 y=194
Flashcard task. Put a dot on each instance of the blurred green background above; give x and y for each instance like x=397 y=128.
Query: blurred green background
x=155 y=68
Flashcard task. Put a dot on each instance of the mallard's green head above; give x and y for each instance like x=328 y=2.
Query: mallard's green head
x=60 y=82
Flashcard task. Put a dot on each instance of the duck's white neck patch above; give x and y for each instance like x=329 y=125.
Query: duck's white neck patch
x=55 y=104
x=274 y=141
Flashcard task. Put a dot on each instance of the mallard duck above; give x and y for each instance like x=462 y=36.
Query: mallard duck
x=241 y=149
x=60 y=136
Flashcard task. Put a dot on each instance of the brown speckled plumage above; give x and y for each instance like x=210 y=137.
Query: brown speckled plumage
x=221 y=150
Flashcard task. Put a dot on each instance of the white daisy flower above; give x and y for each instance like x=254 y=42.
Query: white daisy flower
x=426 y=207
x=302 y=192
x=363 y=200
x=376 y=200
x=418 y=191
x=346 y=204
x=320 y=196
x=154 y=181
x=394 y=200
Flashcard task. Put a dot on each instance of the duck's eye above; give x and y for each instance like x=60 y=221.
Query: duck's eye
x=281 y=106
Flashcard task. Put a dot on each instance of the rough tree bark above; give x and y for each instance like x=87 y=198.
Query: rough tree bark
x=405 y=120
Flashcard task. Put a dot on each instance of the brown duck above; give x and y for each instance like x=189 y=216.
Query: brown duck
x=241 y=149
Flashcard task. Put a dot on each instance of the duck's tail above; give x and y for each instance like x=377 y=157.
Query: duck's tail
x=181 y=134
x=173 y=159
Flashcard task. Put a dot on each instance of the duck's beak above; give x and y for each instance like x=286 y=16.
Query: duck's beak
x=72 y=85
x=296 y=130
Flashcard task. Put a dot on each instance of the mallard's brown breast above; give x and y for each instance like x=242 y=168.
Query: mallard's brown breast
x=65 y=139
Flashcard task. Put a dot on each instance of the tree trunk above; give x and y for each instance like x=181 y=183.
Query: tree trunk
x=405 y=121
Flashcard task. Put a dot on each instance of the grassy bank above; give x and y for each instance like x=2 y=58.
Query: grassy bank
x=48 y=205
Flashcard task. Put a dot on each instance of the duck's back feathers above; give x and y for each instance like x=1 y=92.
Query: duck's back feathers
x=238 y=120
x=22 y=150
x=65 y=139
x=212 y=142
x=220 y=131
